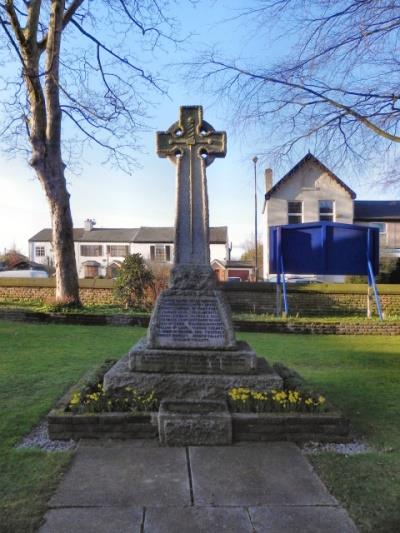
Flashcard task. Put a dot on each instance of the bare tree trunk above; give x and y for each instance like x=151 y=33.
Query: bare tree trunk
x=45 y=137
x=67 y=288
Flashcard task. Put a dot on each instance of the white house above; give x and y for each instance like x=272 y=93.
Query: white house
x=310 y=192
x=100 y=251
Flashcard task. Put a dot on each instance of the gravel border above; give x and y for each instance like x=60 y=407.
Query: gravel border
x=350 y=448
x=39 y=438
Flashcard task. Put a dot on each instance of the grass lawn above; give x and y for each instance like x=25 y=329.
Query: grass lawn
x=358 y=374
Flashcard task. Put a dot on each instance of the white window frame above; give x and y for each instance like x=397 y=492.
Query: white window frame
x=111 y=249
x=97 y=248
x=40 y=251
x=331 y=213
x=158 y=253
x=297 y=214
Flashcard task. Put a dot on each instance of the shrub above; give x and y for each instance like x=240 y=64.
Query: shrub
x=133 y=279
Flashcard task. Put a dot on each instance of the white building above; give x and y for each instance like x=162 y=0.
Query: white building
x=100 y=251
x=311 y=192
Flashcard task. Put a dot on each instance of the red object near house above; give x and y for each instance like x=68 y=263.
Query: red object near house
x=237 y=273
x=233 y=270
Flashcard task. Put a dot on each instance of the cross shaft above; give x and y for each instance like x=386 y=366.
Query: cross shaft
x=191 y=144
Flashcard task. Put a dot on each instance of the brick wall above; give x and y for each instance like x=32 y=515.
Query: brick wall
x=94 y=295
x=309 y=302
x=345 y=300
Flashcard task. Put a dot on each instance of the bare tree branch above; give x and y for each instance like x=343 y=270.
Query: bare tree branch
x=338 y=87
x=101 y=90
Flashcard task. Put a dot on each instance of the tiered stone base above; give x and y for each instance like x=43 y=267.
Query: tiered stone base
x=190 y=385
x=190 y=359
x=241 y=360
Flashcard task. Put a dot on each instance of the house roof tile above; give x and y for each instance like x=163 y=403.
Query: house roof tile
x=218 y=235
x=383 y=210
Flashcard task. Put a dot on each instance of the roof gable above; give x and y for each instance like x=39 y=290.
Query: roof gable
x=306 y=159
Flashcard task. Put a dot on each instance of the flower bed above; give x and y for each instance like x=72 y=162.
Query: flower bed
x=245 y=400
x=294 y=414
x=87 y=411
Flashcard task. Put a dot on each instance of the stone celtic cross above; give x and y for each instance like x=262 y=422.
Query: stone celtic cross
x=191 y=144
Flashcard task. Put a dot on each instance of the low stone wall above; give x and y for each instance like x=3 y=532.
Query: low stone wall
x=65 y=426
x=78 y=319
x=261 y=326
x=91 y=292
x=265 y=427
x=332 y=300
x=338 y=300
x=293 y=427
x=320 y=328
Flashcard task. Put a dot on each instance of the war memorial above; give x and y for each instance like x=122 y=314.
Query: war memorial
x=190 y=356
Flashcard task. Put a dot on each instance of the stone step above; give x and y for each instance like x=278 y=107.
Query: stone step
x=193 y=422
x=189 y=385
x=242 y=360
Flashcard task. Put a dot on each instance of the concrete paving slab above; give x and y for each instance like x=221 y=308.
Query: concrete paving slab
x=198 y=520
x=261 y=474
x=314 y=519
x=93 y=520
x=124 y=475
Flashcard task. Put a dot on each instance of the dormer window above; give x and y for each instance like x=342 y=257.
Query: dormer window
x=327 y=210
x=295 y=212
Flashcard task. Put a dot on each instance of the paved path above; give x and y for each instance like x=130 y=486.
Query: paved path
x=140 y=487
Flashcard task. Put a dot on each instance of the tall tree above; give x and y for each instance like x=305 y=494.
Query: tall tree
x=249 y=254
x=338 y=87
x=77 y=79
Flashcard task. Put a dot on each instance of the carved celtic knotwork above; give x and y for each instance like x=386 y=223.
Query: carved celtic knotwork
x=191 y=131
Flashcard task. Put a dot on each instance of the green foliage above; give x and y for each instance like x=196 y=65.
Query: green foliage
x=389 y=272
x=36 y=369
x=360 y=375
x=52 y=305
x=250 y=255
x=134 y=278
x=244 y=400
x=99 y=400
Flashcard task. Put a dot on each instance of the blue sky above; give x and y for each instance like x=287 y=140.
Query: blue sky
x=147 y=198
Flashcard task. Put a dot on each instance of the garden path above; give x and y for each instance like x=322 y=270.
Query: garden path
x=139 y=486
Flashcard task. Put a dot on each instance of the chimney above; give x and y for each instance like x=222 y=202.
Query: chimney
x=89 y=224
x=268 y=179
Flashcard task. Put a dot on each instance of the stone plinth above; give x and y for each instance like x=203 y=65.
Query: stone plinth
x=242 y=360
x=191 y=314
x=189 y=385
x=194 y=423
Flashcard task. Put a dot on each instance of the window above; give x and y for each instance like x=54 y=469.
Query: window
x=295 y=212
x=118 y=250
x=327 y=210
x=91 y=250
x=382 y=232
x=91 y=271
x=160 y=253
x=39 y=251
